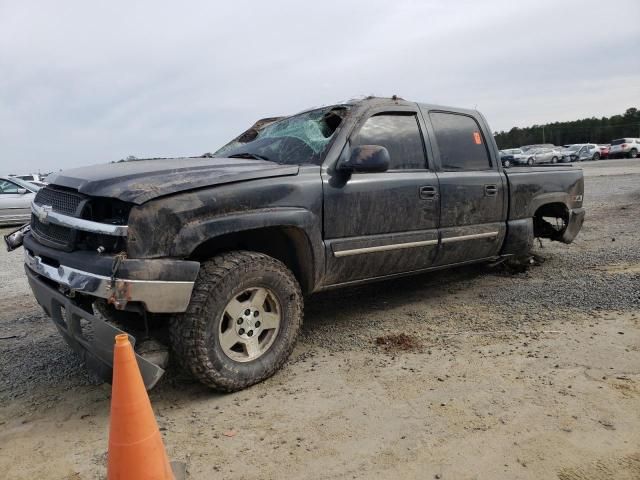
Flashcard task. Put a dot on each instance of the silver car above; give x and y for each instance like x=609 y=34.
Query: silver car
x=15 y=200
x=542 y=155
x=580 y=152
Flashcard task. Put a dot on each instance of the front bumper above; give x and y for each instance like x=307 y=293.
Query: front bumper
x=63 y=281
x=157 y=296
x=91 y=337
x=160 y=285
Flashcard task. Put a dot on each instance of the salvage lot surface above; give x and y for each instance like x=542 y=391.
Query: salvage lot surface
x=467 y=374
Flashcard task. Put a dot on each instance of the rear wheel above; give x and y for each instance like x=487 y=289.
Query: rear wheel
x=596 y=156
x=554 y=160
x=633 y=153
x=242 y=322
x=530 y=161
x=506 y=164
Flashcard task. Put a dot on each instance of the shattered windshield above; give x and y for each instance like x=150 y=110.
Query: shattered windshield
x=294 y=140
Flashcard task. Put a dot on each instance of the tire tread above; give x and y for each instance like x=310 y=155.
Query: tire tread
x=188 y=330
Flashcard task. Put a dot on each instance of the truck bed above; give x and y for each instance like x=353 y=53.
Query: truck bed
x=530 y=187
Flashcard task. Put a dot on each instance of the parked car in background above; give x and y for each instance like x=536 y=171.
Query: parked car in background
x=542 y=155
x=15 y=200
x=580 y=152
x=507 y=156
x=31 y=177
x=625 y=147
x=526 y=148
x=604 y=150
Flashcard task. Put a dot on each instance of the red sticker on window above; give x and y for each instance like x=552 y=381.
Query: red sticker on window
x=477 y=138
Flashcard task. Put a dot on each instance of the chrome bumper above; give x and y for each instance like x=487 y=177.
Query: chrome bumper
x=91 y=337
x=158 y=296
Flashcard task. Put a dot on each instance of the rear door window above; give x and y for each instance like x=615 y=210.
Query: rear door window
x=460 y=142
x=400 y=134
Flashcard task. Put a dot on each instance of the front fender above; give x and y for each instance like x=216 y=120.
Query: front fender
x=194 y=234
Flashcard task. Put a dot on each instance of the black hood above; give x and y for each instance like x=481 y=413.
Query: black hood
x=139 y=181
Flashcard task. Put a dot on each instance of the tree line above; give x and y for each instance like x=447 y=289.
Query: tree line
x=587 y=130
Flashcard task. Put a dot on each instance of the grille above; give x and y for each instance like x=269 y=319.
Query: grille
x=59 y=235
x=61 y=201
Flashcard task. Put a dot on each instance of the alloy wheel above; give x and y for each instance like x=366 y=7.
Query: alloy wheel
x=249 y=324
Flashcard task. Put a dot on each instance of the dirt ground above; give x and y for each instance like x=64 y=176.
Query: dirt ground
x=468 y=374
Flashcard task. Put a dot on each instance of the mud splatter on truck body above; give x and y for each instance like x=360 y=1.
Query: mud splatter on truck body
x=349 y=193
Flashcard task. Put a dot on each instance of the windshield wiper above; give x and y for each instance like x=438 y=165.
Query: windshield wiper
x=255 y=156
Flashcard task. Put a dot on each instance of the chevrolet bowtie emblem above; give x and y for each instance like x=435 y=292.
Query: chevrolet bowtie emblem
x=43 y=213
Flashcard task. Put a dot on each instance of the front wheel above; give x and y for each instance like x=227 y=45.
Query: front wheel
x=554 y=160
x=596 y=156
x=242 y=322
x=633 y=153
x=506 y=164
x=530 y=161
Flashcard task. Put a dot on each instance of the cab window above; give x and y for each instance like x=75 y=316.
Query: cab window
x=400 y=134
x=460 y=142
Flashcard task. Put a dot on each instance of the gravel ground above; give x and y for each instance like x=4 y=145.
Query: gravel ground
x=471 y=373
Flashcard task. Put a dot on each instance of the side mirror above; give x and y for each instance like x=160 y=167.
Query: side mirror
x=22 y=191
x=367 y=158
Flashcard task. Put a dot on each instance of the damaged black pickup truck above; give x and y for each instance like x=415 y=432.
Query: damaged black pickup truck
x=210 y=257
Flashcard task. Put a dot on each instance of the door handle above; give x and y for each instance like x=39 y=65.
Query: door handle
x=490 y=190
x=428 y=192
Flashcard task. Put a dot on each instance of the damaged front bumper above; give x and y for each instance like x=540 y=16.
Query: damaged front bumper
x=154 y=285
x=157 y=296
x=91 y=337
x=158 y=285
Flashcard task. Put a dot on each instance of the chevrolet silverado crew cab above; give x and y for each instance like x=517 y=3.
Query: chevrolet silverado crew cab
x=220 y=250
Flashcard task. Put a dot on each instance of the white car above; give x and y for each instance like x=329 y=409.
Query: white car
x=31 y=177
x=625 y=147
x=15 y=200
x=580 y=152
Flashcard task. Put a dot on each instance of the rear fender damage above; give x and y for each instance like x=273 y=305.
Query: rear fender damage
x=557 y=222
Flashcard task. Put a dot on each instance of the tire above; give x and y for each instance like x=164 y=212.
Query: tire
x=596 y=156
x=530 y=162
x=633 y=153
x=506 y=164
x=222 y=285
x=554 y=160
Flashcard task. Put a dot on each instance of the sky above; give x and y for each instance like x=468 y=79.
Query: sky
x=90 y=82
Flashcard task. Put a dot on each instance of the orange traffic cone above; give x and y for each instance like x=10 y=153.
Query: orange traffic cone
x=136 y=450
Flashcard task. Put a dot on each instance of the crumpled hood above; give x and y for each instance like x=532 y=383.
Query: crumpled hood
x=139 y=181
